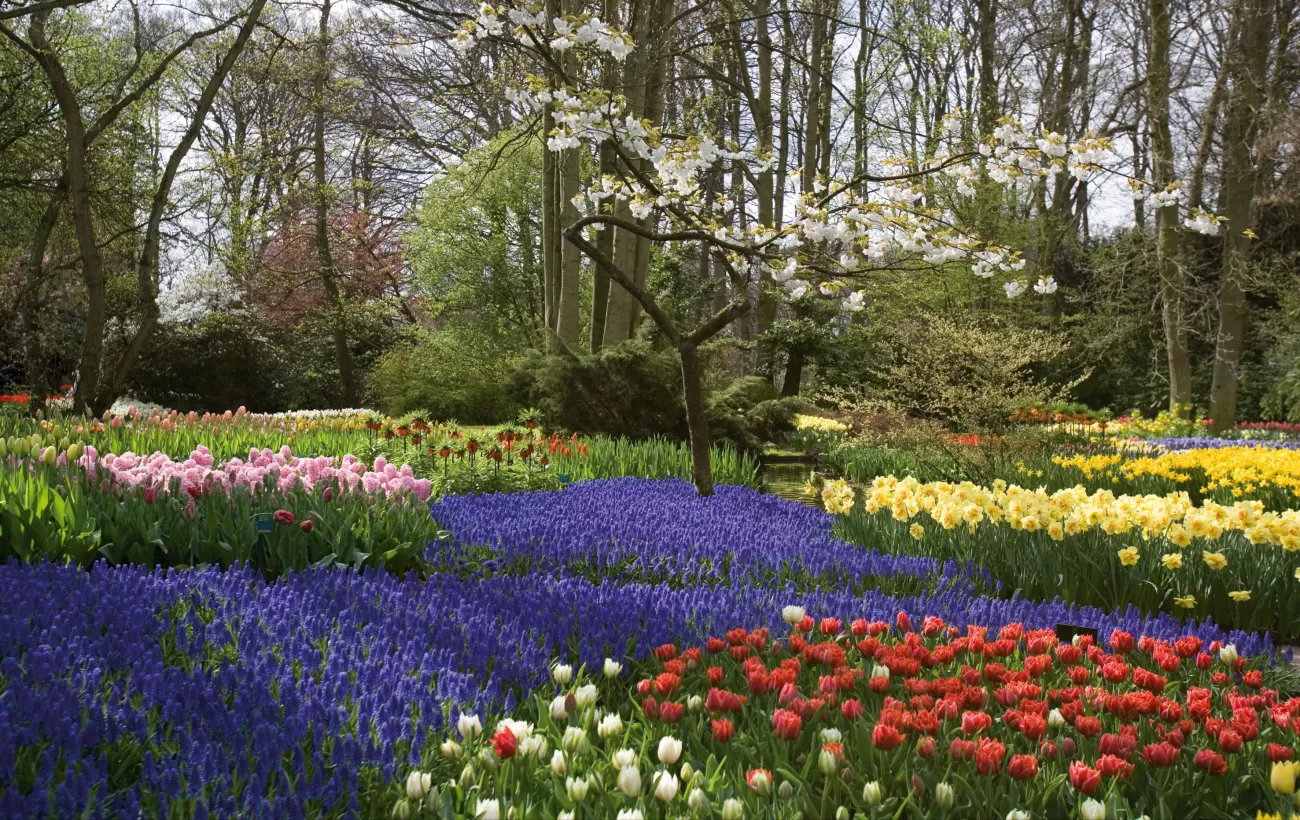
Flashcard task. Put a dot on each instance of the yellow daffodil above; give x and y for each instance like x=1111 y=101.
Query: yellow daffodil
x=1172 y=560
x=1129 y=556
x=1215 y=560
x=1178 y=535
x=1240 y=595
x=1284 y=775
x=917 y=531
x=1186 y=601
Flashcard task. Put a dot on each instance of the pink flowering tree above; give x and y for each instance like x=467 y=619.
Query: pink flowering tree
x=891 y=218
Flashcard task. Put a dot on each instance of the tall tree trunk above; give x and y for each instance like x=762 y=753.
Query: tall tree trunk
x=656 y=74
x=793 y=372
x=552 y=235
x=988 y=87
x=34 y=359
x=696 y=423
x=79 y=200
x=764 y=185
x=1250 y=62
x=324 y=254
x=1172 y=285
x=605 y=241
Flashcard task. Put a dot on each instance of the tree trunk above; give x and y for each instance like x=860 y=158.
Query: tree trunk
x=1250 y=60
x=793 y=373
x=38 y=380
x=324 y=255
x=92 y=265
x=696 y=423
x=1172 y=285
x=988 y=88
x=764 y=185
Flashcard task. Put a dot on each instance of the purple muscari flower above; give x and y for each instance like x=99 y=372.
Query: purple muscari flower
x=240 y=676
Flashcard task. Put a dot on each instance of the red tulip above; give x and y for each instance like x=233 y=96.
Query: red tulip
x=886 y=737
x=925 y=748
x=1229 y=742
x=1084 y=778
x=1278 y=752
x=851 y=708
x=1210 y=762
x=722 y=730
x=974 y=722
x=1088 y=726
x=307 y=526
x=1161 y=754
x=282 y=517
x=962 y=749
x=1033 y=727
x=1023 y=767
x=786 y=724
x=1112 y=766
x=988 y=756
x=504 y=743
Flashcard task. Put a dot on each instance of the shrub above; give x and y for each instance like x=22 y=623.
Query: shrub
x=456 y=373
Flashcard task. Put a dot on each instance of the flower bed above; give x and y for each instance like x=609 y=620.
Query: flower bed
x=889 y=718
x=1238 y=564
x=127 y=690
x=639 y=531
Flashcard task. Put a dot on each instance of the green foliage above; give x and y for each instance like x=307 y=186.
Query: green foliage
x=628 y=389
x=972 y=374
x=751 y=411
x=475 y=251
x=455 y=373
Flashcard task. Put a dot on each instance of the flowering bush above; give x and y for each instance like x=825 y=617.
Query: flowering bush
x=1239 y=564
x=890 y=718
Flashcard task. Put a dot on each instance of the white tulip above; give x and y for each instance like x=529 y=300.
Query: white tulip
x=562 y=673
x=670 y=748
x=1228 y=654
x=417 y=784
x=831 y=735
x=487 y=810
x=629 y=781
x=468 y=726
x=1018 y=814
x=610 y=726
x=1092 y=810
x=574 y=738
x=576 y=788
x=944 y=796
x=871 y=793
x=613 y=668
x=1055 y=719
x=698 y=800
x=557 y=762
x=733 y=809
x=827 y=763
x=519 y=728
x=558 y=710
x=585 y=696
x=695 y=703
x=630 y=814
x=666 y=786
x=621 y=758
x=792 y=614
x=451 y=750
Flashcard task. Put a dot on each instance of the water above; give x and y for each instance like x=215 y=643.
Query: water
x=787 y=481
